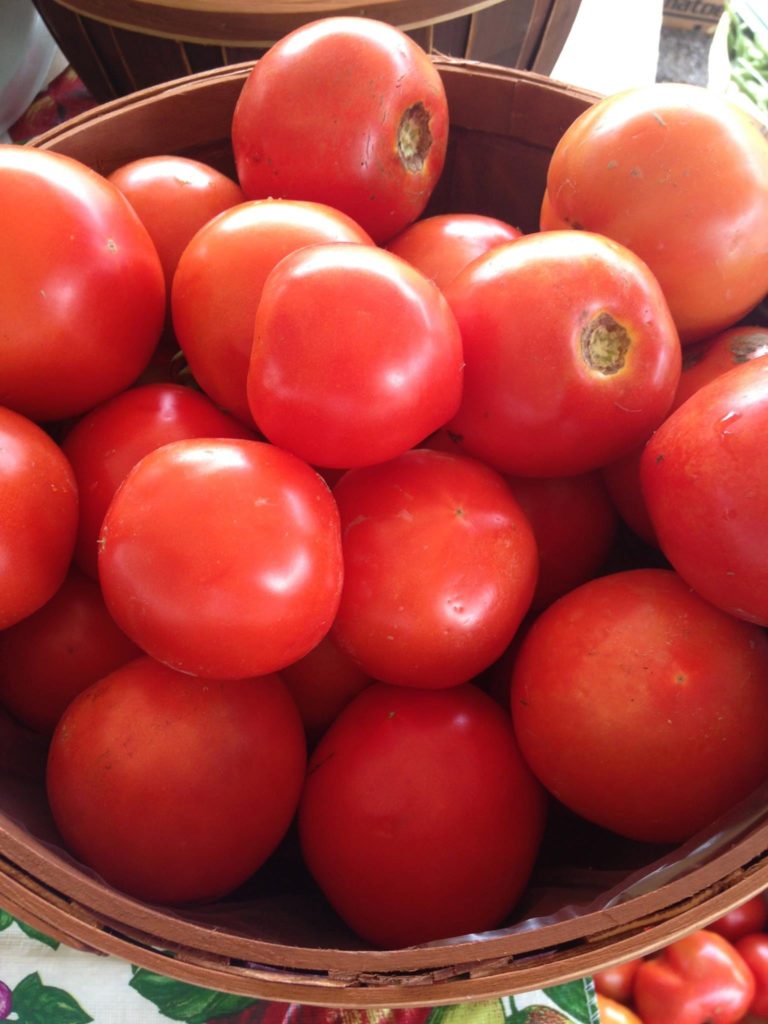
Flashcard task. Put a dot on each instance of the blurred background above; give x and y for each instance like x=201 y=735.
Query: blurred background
x=57 y=60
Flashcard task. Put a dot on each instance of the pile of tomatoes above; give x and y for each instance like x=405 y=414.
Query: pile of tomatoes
x=288 y=467
x=716 y=974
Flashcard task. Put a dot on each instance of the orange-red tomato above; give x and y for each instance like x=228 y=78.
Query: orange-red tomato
x=218 y=283
x=680 y=176
x=695 y=980
x=617 y=981
x=614 y=1012
x=174 y=197
x=443 y=245
x=371 y=142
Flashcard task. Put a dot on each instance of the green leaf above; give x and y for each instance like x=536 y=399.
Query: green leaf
x=577 y=999
x=36 y=1003
x=183 y=1002
x=5 y=920
x=33 y=933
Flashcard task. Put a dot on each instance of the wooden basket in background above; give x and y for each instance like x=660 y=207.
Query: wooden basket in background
x=276 y=939
x=119 y=46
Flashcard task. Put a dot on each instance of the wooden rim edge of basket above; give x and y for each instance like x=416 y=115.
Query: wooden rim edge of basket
x=260 y=29
x=474 y=980
x=234 y=75
x=173 y=930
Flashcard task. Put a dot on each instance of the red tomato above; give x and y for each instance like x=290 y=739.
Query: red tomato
x=704 y=476
x=322 y=683
x=356 y=356
x=753 y=948
x=443 y=245
x=247 y=584
x=617 y=982
x=572 y=358
x=106 y=443
x=717 y=355
x=573 y=521
x=38 y=517
x=680 y=176
x=439 y=568
x=701 y=364
x=613 y=1011
x=419 y=818
x=176 y=789
x=572 y=518
x=81 y=287
x=218 y=283
x=750 y=916
x=53 y=654
x=174 y=196
x=622 y=479
x=639 y=669
x=371 y=143
x=696 y=980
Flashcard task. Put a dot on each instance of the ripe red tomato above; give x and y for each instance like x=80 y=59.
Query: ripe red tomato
x=572 y=358
x=704 y=476
x=715 y=356
x=371 y=143
x=107 y=442
x=356 y=356
x=443 y=245
x=696 y=980
x=174 y=196
x=322 y=683
x=701 y=364
x=247 y=584
x=176 y=789
x=617 y=982
x=640 y=668
x=574 y=524
x=748 y=917
x=38 y=517
x=419 y=818
x=81 y=286
x=439 y=568
x=753 y=948
x=55 y=653
x=218 y=282
x=573 y=521
x=679 y=175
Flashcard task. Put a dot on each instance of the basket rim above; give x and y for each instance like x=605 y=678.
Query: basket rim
x=171 y=929
x=472 y=980
x=233 y=75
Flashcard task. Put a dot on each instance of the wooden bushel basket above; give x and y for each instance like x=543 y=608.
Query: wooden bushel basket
x=118 y=46
x=594 y=900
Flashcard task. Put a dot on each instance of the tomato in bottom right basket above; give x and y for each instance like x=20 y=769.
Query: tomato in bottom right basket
x=642 y=707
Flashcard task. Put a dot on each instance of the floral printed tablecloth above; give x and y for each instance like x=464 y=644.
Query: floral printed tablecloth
x=45 y=982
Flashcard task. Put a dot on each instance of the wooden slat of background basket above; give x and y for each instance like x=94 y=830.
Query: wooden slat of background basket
x=119 y=46
x=504 y=126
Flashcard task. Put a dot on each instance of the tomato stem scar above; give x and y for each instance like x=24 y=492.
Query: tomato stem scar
x=414 y=139
x=604 y=344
